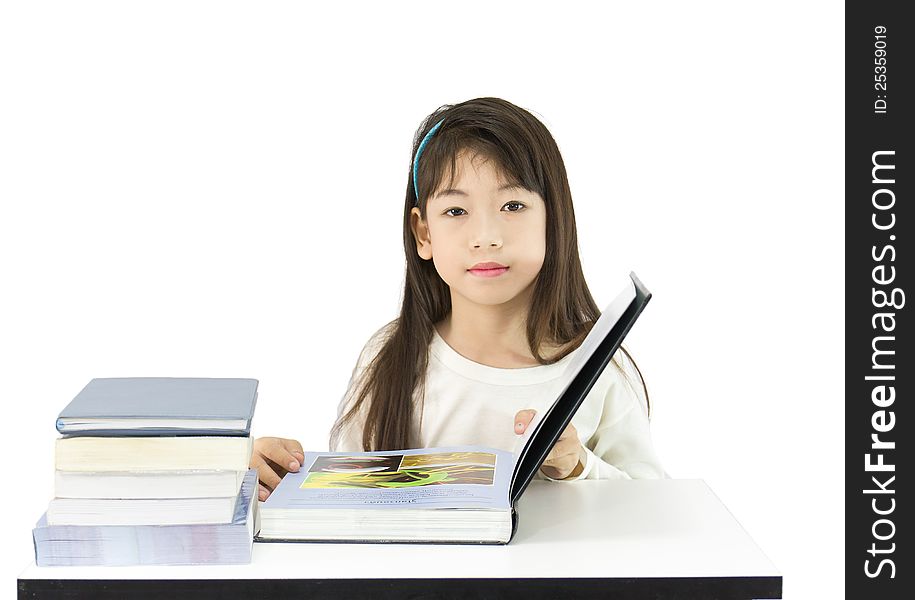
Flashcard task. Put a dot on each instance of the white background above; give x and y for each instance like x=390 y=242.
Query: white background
x=216 y=190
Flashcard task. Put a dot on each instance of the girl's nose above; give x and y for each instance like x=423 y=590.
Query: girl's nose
x=487 y=233
x=494 y=243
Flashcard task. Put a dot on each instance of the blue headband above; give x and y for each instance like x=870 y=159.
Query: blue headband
x=419 y=151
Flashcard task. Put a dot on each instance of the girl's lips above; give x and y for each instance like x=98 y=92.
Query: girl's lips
x=488 y=272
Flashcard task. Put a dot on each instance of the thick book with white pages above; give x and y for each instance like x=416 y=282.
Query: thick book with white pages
x=140 y=511
x=148 y=484
x=440 y=495
x=103 y=454
x=394 y=496
x=118 y=545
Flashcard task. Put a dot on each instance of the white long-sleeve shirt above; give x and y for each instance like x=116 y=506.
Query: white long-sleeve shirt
x=468 y=403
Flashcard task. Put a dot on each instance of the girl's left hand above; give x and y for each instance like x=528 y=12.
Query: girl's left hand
x=567 y=458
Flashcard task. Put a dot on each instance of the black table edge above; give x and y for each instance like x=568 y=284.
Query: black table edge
x=657 y=588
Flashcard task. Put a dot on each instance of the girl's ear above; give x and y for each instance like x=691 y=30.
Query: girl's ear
x=421 y=234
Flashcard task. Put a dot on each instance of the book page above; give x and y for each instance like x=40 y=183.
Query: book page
x=463 y=477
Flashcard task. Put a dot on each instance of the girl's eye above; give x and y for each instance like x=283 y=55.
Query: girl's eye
x=518 y=206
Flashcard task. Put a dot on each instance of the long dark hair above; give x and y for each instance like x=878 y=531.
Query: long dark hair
x=562 y=310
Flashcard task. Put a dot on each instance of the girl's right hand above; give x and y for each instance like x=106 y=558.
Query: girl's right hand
x=273 y=457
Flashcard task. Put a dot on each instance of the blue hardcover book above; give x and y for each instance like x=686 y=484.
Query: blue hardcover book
x=117 y=545
x=161 y=406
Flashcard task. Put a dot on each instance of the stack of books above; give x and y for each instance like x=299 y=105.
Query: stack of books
x=153 y=471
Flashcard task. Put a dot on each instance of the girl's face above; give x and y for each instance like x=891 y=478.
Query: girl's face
x=481 y=219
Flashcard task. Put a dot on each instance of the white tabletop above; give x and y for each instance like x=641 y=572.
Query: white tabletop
x=586 y=529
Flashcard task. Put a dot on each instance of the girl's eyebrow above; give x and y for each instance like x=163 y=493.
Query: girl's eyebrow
x=459 y=192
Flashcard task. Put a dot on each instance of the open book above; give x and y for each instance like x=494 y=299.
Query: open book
x=444 y=495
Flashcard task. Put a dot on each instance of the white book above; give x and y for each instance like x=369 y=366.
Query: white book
x=149 y=484
x=145 y=511
x=215 y=453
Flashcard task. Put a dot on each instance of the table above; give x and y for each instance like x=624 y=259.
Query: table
x=653 y=539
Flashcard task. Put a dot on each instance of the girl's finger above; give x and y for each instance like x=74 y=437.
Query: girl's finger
x=560 y=467
x=565 y=446
x=265 y=474
x=278 y=453
x=294 y=448
x=523 y=418
x=568 y=432
x=562 y=459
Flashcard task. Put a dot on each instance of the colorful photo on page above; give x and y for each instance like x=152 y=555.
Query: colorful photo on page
x=355 y=464
x=450 y=468
x=480 y=459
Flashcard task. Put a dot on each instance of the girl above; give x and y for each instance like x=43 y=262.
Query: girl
x=494 y=306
